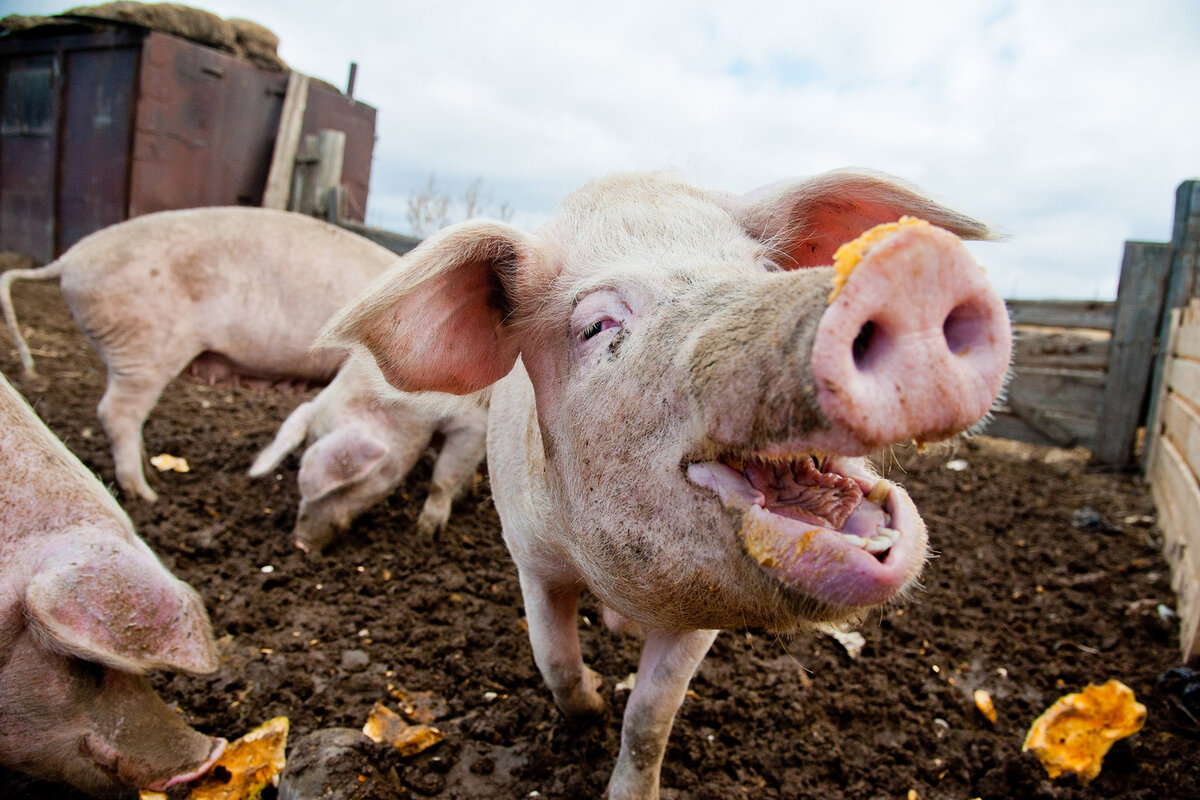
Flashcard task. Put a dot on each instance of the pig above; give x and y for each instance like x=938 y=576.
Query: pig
x=86 y=609
x=364 y=437
x=684 y=395
x=223 y=294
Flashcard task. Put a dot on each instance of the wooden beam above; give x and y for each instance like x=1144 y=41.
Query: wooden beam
x=1181 y=277
x=287 y=142
x=1131 y=354
x=1177 y=493
x=1095 y=314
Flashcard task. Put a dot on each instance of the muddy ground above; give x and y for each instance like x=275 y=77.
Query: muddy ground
x=1029 y=598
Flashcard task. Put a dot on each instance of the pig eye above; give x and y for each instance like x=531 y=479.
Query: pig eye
x=595 y=328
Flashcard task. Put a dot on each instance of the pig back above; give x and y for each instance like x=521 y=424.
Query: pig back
x=254 y=285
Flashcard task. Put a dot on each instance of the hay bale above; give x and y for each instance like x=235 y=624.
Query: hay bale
x=179 y=20
x=257 y=43
x=23 y=22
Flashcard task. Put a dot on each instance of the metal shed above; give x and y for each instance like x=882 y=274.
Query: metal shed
x=104 y=121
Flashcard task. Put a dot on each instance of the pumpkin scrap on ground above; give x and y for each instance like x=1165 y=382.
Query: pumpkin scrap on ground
x=246 y=767
x=165 y=461
x=1075 y=733
x=983 y=701
x=384 y=725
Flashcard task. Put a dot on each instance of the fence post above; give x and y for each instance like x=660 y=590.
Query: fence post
x=1181 y=283
x=1131 y=353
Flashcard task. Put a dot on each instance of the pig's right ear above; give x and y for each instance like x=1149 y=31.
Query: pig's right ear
x=439 y=320
x=117 y=605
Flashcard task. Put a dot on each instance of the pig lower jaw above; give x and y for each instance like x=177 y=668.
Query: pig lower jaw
x=187 y=777
x=871 y=560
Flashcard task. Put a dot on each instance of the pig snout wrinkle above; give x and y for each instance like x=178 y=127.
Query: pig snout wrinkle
x=917 y=345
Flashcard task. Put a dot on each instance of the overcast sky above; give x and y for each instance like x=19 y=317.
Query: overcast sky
x=1066 y=124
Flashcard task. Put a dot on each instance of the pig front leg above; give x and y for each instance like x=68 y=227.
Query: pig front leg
x=669 y=660
x=461 y=453
x=550 y=610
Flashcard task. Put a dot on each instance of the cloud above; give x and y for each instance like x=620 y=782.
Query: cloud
x=1067 y=124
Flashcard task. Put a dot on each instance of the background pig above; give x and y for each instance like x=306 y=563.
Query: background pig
x=684 y=429
x=225 y=294
x=85 y=609
x=364 y=437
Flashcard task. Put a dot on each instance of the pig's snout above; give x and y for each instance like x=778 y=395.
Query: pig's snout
x=916 y=345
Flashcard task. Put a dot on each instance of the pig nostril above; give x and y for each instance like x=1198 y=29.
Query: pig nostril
x=865 y=344
x=964 y=328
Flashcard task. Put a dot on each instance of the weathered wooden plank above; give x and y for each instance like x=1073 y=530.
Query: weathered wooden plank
x=1131 y=356
x=1181 y=277
x=1187 y=341
x=1038 y=347
x=1159 y=396
x=1177 y=491
x=1183 y=377
x=287 y=142
x=1181 y=424
x=1072 y=391
x=1094 y=314
x=1049 y=428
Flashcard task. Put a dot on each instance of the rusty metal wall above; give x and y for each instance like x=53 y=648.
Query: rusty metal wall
x=328 y=108
x=204 y=128
x=64 y=136
x=97 y=126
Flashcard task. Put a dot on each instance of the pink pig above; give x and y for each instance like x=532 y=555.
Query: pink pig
x=364 y=438
x=222 y=295
x=85 y=609
x=681 y=407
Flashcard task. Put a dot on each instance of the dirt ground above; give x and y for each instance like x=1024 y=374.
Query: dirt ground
x=1030 y=597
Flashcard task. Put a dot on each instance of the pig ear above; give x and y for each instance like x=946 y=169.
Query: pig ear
x=344 y=456
x=440 y=318
x=117 y=605
x=806 y=221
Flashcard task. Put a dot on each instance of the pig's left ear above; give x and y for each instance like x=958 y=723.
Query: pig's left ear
x=439 y=320
x=117 y=605
x=806 y=221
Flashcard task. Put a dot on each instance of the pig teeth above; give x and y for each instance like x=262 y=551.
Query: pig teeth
x=857 y=541
x=879 y=492
x=882 y=541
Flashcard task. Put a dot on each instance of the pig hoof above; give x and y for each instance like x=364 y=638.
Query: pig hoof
x=583 y=701
x=429 y=526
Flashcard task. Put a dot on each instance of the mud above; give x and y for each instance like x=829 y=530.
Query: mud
x=1048 y=576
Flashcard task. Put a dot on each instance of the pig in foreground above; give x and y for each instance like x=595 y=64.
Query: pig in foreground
x=364 y=437
x=85 y=609
x=226 y=295
x=683 y=432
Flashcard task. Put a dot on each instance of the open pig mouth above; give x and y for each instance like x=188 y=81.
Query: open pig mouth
x=820 y=523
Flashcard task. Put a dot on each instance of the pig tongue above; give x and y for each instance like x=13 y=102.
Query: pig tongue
x=798 y=489
x=813 y=529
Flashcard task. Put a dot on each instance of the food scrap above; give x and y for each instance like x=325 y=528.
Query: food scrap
x=244 y=770
x=165 y=461
x=849 y=254
x=983 y=701
x=1075 y=733
x=384 y=725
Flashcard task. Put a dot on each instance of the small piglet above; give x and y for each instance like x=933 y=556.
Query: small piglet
x=85 y=609
x=685 y=391
x=364 y=437
x=224 y=295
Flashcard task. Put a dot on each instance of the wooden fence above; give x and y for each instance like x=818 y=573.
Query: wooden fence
x=1095 y=374
x=1173 y=464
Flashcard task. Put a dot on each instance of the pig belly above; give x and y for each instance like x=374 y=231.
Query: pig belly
x=216 y=369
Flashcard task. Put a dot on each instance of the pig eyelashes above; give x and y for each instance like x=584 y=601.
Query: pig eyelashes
x=596 y=327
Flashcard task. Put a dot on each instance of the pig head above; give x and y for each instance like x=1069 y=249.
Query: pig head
x=690 y=393
x=85 y=610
